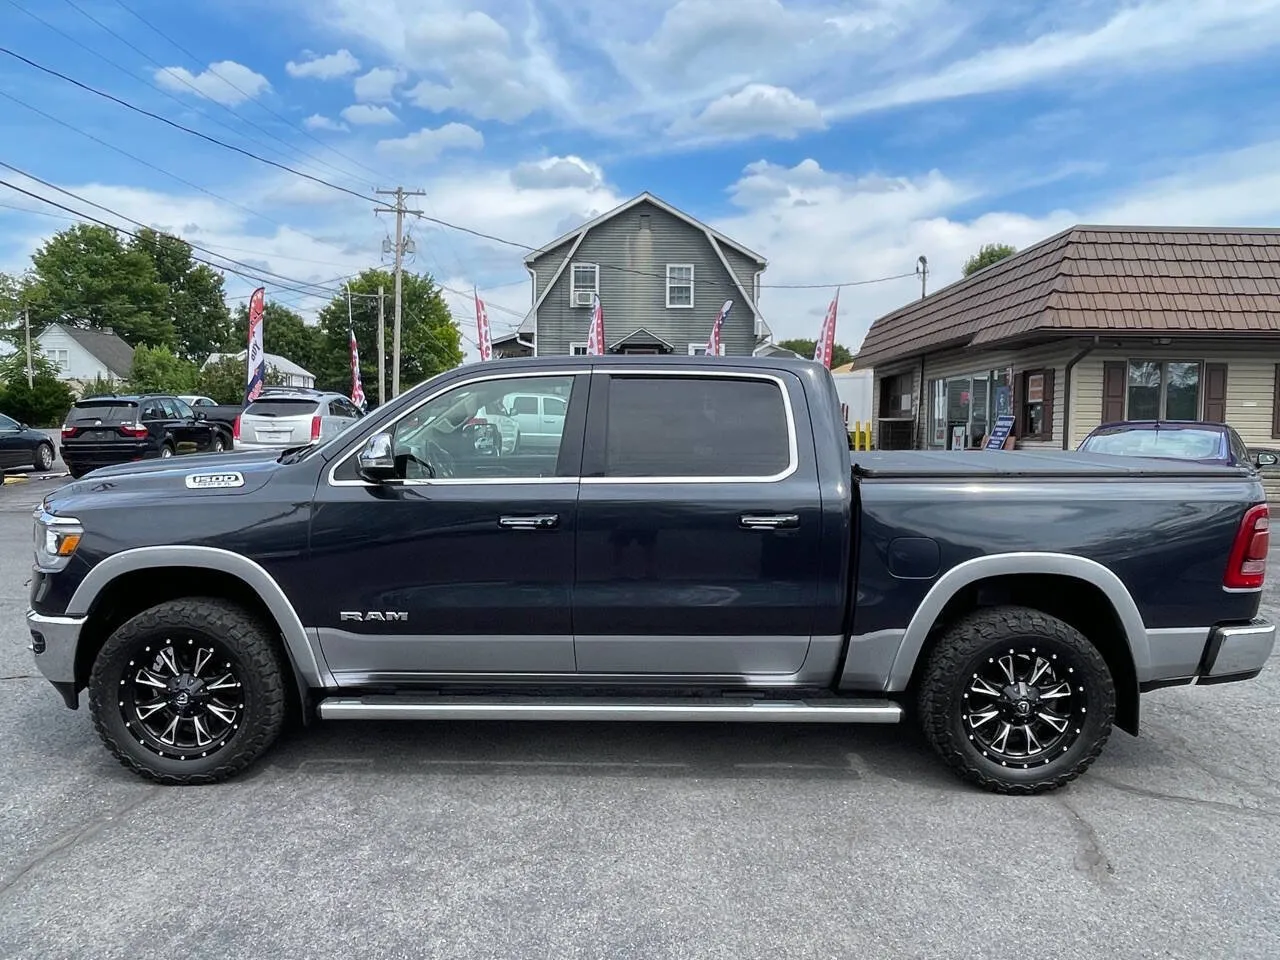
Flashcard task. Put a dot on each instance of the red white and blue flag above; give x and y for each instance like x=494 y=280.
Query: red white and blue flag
x=255 y=358
x=713 y=342
x=827 y=340
x=482 y=328
x=595 y=334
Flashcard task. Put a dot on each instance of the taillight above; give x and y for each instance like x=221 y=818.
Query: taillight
x=315 y=428
x=68 y=432
x=477 y=422
x=1247 y=565
x=235 y=428
x=136 y=430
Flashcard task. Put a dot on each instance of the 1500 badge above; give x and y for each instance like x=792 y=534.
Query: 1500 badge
x=214 y=481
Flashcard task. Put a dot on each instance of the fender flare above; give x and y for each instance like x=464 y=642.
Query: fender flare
x=1006 y=564
x=307 y=664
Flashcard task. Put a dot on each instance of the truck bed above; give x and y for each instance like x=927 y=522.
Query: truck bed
x=1058 y=464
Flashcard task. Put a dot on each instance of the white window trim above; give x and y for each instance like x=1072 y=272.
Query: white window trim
x=692 y=273
x=699 y=349
x=573 y=279
x=573 y=348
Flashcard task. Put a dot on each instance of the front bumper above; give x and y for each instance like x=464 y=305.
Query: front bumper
x=1238 y=652
x=53 y=642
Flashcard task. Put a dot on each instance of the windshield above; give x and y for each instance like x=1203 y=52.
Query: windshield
x=1179 y=443
x=110 y=411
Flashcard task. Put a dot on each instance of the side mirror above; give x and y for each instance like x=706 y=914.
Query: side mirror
x=201 y=415
x=375 y=462
x=1266 y=460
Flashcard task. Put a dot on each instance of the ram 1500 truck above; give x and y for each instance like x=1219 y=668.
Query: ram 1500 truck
x=695 y=541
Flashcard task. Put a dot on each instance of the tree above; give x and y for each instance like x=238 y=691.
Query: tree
x=45 y=402
x=429 y=341
x=987 y=254
x=285 y=334
x=194 y=300
x=160 y=370
x=840 y=354
x=84 y=276
x=225 y=380
x=15 y=294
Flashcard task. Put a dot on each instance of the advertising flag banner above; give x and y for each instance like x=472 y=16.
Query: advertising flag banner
x=713 y=342
x=482 y=328
x=827 y=339
x=256 y=359
x=595 y=335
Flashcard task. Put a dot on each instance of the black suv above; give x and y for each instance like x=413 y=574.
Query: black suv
x=102 y=431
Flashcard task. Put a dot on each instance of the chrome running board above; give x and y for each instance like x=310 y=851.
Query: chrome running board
x=675 y=709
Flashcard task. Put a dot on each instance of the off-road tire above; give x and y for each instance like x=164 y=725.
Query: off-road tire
x=971 y=642
x=257 y=662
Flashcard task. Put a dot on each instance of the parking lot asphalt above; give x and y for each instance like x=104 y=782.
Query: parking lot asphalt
x=532 y=840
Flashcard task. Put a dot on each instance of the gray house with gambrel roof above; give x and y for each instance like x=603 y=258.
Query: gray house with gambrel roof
x=661 y=276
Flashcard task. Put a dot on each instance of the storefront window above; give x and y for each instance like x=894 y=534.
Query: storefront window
x=967 y=406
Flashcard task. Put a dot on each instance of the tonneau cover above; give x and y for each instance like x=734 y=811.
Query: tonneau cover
x=1064 y=464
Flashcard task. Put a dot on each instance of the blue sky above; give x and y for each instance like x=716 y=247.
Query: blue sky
x=840 y=138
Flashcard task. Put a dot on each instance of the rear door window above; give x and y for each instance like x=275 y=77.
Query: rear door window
x=108 y=411
x=696 y=427
x=282 y=407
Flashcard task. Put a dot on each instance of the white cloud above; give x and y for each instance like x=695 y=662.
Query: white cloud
x=757 y=110
x=225 y=82
x=378 y=84
x=1165 y=35
x=427 y=144
x=819 y=226
x=320 y=122
x=467 y=60
x=364 y=114
x=330 y=67
x=557 y=173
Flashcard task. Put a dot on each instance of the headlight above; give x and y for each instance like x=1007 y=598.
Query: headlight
x=56 y=540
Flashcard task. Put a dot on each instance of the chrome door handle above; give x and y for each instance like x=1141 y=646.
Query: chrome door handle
x=545 y=521
x=769 y=521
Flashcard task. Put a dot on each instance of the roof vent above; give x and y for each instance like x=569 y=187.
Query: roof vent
x=644 y=221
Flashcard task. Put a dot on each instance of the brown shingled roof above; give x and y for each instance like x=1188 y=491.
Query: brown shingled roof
x=1098 y=279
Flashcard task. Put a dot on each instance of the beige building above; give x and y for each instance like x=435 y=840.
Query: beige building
x=1093 y=325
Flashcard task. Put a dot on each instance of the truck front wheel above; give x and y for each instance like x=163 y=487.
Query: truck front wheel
x=188 y=692
x=1016 y=701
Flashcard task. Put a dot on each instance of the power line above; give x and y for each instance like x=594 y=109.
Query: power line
x=197 y=60
x=185 y=105
x=254 y=276
x=187 y=83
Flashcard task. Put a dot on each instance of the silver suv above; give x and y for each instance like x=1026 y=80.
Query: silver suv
x=292 y=418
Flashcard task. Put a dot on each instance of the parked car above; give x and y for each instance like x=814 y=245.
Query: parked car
x=223 y=414
x=1203 y=442
x=539 y=419
x=281 y=418
x=699 y=544
x=102 y=431
x=23 y=446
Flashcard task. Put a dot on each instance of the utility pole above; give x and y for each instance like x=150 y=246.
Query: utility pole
x=382 y=349
x=922 y=271
x=399 y=210
x=26 y=322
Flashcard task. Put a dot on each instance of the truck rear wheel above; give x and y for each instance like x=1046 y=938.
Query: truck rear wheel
x=1016 y=701
x=188 y=692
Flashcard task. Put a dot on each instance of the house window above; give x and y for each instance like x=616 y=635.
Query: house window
x=1163 y=390
x=1035 y=405
x=963 y=409
x=577 y=349
x=700 y=349
x=584 y=283
x=61 y=359
x=680 y=285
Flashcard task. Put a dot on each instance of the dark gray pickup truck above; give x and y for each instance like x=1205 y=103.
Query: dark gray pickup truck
x=689 y=540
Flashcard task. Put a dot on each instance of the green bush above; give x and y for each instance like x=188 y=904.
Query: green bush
x=160 y=370
x=44 y=403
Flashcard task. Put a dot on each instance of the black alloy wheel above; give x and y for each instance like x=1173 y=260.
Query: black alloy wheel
x=190 y=691
x=1015 y=700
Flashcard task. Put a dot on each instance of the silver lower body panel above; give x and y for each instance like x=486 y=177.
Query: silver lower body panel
x=557 y=708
